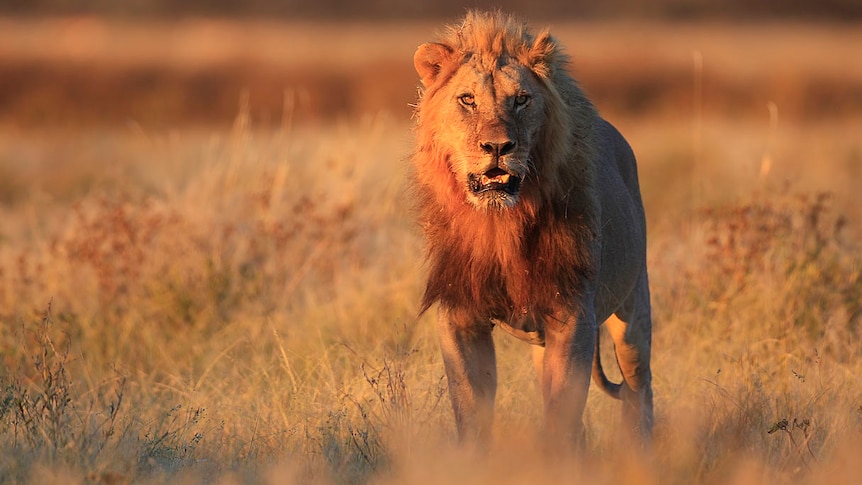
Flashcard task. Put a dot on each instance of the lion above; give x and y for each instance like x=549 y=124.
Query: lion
x=531 y=210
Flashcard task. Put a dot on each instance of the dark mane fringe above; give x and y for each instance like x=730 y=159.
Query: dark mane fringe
x=535 y=256
x=535 y=264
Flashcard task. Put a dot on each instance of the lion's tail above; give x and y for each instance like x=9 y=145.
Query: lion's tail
x=611 y=388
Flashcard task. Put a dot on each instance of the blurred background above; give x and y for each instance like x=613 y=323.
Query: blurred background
x=159 y=63
x=391 y=9
x=205 y=204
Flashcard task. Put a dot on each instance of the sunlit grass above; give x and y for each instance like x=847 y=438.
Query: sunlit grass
x=240 y=307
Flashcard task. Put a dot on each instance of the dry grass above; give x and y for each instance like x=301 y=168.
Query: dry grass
x=237 y=306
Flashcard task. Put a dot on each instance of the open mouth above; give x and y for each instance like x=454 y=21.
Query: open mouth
x=495 y=179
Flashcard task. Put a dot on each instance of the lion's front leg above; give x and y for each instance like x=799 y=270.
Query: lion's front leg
x=471 y=369
x=569 y=347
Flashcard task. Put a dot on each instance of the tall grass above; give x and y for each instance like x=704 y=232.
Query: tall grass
x=239 y=307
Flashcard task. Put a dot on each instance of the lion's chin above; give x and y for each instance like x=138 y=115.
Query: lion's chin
x=493 y=199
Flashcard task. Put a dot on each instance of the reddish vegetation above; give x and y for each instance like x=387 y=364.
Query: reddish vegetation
x=62 y=93
x=164 y=74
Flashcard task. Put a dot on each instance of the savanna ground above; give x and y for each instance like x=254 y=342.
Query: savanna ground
x=235 y=302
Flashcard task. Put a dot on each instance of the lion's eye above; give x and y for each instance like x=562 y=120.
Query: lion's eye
x=467 y=100
x=522 y=100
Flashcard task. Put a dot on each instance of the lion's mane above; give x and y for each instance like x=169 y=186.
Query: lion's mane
x=532 y=257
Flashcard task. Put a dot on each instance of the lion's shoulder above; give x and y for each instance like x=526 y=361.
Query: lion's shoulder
x=613 y=150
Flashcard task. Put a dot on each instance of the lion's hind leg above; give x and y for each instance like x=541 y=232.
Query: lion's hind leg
x=631 y=330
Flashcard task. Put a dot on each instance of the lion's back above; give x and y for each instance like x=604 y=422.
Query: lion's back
x=623 y=223
x=614 y=149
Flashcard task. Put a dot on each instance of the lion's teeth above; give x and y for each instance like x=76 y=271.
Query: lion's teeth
x=496 y=179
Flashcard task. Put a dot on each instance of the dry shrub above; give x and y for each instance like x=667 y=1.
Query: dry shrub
x=203 y=291
x=791 y=253
x=232 y=242
x=769 y=310
x=47 y=417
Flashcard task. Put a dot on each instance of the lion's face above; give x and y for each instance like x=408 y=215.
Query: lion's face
x=491 y=118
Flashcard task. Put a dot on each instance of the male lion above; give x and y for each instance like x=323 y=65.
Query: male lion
x=534 y=222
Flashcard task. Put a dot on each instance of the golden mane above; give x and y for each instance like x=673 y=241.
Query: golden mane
x=535 y=255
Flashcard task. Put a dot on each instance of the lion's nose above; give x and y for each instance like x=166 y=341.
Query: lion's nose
x=497 y=149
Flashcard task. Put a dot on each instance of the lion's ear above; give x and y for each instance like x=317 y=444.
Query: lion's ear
x=430 y=59
x=543 y=54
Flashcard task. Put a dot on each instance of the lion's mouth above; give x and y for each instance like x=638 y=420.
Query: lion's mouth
x=495 y=179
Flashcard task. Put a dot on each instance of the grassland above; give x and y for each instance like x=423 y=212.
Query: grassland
x=236 y=303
